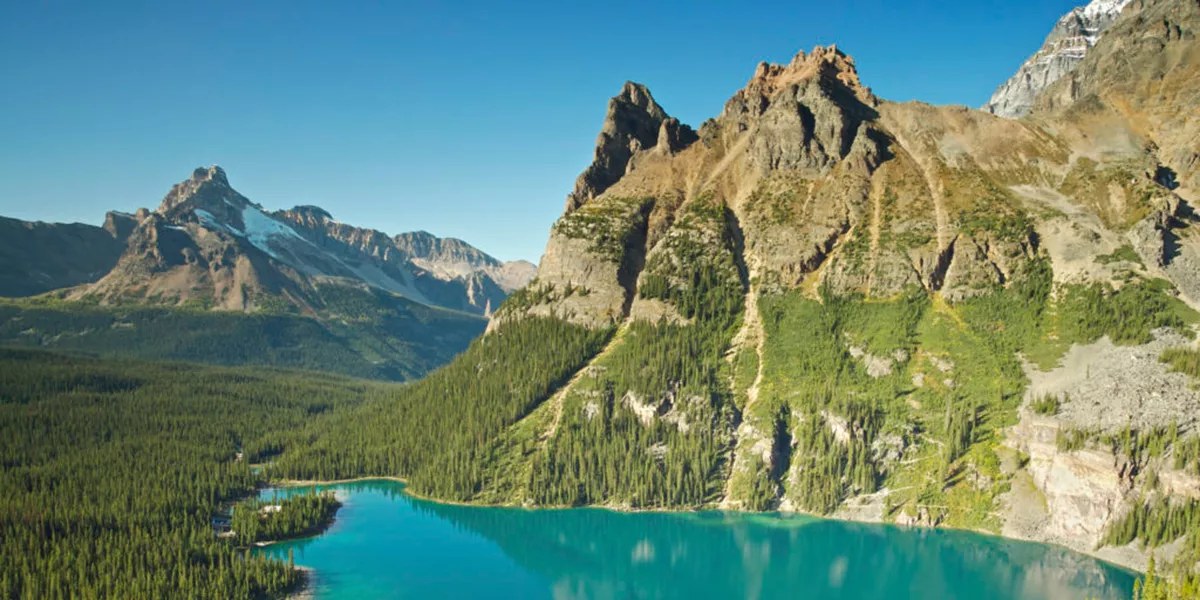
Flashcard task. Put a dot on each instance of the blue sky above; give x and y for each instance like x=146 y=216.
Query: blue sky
x=468 y=119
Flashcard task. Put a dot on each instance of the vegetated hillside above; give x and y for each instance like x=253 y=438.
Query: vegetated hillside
x=112 y=470
x=439 y=432
x=827 y=302
x=364 y=333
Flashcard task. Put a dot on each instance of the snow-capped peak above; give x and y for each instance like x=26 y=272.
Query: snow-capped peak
x=1104 y=8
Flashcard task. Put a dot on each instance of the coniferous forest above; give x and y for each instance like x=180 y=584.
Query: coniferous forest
x=435 y=433
x=278 y=519
x=114 y=470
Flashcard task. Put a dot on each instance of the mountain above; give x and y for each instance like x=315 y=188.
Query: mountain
x=1143 y=80
x=437 y=271
x=210 y=276
x=1076 y=33
x=827 y=302
x=39 y=257
x=449 y=258
x=207 y=243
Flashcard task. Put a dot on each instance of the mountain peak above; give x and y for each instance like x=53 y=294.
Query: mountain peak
x=828 y=64
x=213 y=173
x=1104 y=8
x=202 y=180
x=634 y=124
x=638 y=95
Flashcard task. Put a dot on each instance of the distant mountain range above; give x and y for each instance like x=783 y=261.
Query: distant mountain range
x=209 y=248
x=208 y=243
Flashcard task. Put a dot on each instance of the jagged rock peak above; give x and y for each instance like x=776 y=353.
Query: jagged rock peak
x=1068 y=43
x=202 y=178
x=638 y=95
x=214 y=173
x=826 y=63
x=635 y=123
x=804 y=115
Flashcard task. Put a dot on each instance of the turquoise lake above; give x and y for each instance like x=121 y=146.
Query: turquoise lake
x=385 y=544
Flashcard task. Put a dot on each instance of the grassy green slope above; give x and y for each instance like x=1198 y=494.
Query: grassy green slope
x=953 y=381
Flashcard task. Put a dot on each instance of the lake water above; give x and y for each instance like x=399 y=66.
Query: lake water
x=385 y=544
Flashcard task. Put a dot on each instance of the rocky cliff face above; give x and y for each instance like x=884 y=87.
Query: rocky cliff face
x=1068 y=43
x=1142 y=74
x=832 y=187
x=1072 y=496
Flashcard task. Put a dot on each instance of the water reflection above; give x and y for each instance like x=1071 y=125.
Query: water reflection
x=591 y=553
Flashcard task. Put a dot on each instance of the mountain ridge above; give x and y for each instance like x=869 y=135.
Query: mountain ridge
x=37 y=257
x=437 y=271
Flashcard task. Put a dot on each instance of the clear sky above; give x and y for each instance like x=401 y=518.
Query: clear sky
x=467 y=119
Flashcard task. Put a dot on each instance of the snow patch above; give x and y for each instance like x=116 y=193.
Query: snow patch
x=208 y=220
x=260 y=228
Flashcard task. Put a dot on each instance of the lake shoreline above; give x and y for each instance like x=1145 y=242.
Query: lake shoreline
x=305 y=590
x=309 y=482
x=302 y=590
x=1118 y=558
